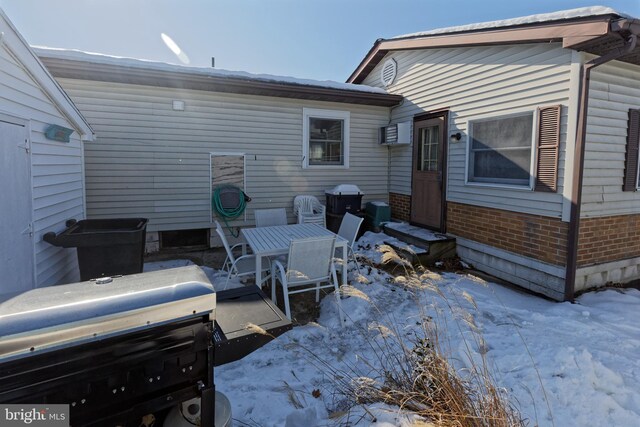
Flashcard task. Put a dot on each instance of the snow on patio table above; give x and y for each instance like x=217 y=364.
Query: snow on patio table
x=586 y=354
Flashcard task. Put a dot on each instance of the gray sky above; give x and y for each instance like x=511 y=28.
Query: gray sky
x=317 y=39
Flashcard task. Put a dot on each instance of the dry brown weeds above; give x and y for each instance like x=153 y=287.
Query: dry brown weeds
x=418 y=376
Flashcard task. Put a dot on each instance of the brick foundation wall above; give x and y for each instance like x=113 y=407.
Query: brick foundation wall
x=400 y=206
x=607 y=239
x=533 y=236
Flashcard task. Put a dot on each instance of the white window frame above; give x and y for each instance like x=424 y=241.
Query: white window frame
x=532 y=162
x=308 y=113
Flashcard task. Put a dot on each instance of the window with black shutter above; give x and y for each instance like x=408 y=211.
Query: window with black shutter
x=631 y=177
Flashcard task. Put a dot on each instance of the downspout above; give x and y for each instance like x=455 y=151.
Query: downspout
x=578 y=162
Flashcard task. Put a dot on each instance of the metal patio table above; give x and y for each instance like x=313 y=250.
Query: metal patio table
x=271 y=241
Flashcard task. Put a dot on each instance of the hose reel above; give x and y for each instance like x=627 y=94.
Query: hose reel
x=229 y=202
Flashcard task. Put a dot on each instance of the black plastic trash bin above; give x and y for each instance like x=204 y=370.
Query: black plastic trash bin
x=106 y=247
x=341 y=199
x=344 y=198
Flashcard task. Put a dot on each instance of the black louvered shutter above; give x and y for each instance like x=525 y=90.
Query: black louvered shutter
x=548 y=146
x=630 y=182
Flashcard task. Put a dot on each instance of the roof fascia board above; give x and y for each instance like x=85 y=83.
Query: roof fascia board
x=573 y=41
x=374 y=56
x=83 y=70
x=500 y=36
x=18 y=47
x=593 y=28
x=632 y=25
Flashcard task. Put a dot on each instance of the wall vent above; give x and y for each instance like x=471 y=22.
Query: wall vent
x=181 y=239
x=388 y=72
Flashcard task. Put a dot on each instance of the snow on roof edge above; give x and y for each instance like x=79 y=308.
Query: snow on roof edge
x=34 y=66
x=580 y=12
x=99 y=58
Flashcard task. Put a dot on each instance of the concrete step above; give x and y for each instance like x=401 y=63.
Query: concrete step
x=423 y=247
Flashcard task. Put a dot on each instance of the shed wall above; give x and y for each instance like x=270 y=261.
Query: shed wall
x=473 y=82
x=56 y=169
x=151 y=161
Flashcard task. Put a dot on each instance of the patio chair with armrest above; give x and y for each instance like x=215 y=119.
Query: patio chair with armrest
x=348 y=230
x=310 y=263
x=270 y=217
x=244 y=265
x=309 y=210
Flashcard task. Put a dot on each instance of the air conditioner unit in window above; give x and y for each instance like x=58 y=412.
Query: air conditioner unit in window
x=395 y=134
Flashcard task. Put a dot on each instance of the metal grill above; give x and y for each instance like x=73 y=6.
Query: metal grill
x=113 y=349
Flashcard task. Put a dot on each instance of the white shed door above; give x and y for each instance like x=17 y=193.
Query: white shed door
x=16 y=241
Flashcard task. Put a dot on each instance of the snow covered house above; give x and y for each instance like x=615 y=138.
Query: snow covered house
x=518 y=137
x=41 y=171
x=524 y=143
x=168 y=134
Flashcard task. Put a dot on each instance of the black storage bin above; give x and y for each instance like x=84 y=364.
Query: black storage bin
x=334 y=221
x=344 y=198
x=106 y=247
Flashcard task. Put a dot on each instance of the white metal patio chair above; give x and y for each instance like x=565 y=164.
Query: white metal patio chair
x=244 y=265
x=309 y=210
x=348 y=230
x=270 y=217
x=310 y=263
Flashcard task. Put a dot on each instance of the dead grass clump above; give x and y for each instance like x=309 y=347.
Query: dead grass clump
x=417 y=375
x=422 y=381
x=451 y=264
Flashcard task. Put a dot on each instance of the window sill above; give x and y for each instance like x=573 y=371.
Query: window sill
x=325 y=167
x=500 y=186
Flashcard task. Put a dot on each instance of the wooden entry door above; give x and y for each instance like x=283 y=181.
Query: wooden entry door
x=427 y=186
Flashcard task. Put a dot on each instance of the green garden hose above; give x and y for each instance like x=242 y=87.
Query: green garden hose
x=229 y=202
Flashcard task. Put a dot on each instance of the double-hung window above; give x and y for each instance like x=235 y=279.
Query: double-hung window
x=325 y=138
x=500 y=150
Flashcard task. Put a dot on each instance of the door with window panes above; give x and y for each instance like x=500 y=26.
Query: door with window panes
x=428 y=172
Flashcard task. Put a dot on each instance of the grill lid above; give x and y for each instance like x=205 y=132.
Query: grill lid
x=64 y=315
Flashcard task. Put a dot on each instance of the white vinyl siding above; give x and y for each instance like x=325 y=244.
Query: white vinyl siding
x=615 y=88
x=472 y=82
x=151 y=161
x=56 y=170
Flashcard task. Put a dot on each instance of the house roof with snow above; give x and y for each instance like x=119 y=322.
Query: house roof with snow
x=75 y=64
x=20 y=50
x=595 y=30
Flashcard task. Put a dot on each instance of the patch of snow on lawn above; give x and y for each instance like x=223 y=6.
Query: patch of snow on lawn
x=584 y=354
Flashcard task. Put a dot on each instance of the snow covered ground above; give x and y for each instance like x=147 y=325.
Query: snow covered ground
x=563 y=364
